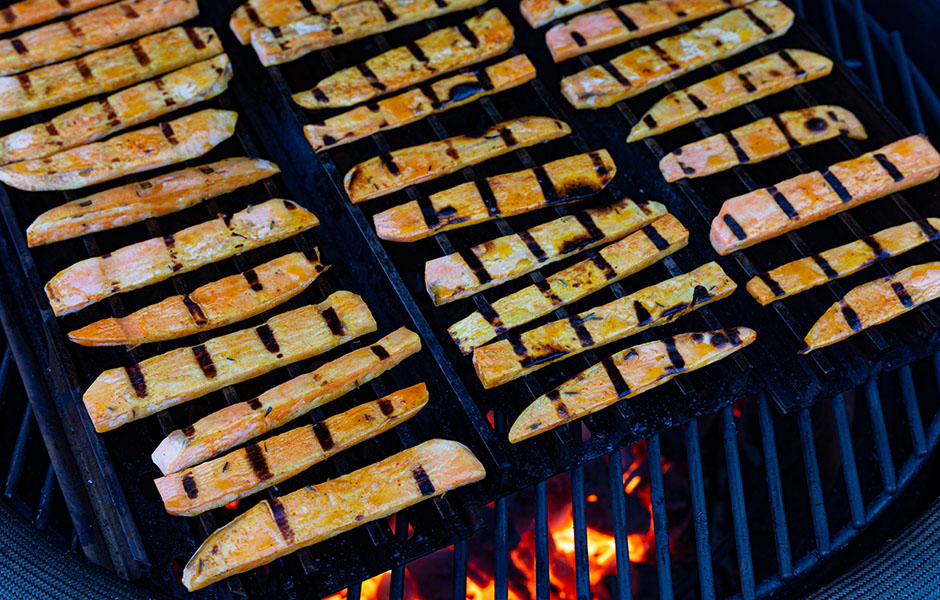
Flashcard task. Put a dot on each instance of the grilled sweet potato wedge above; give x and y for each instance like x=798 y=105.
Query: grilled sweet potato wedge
x=157 y=259
x=141 y=150
x=238 y=423
x=805 y=273
x=228 y=300
x=874 y=303
x=133 y=106
x=760 y=140
x=612 y=263
x=796 y=202
x=105 y=70
x=541 y=12
x=125 y=394
x=611 y=26
x=414 y=105
x=664 y=302
x=646 y=67
x=93 y=30
x=259 y=466
x=289 y=42
x=279 y=526
x=492 y=263
x=558 y=182
x=413 y=165
x=627 y=374
x=477 y=39
x=256 y=14
x=33 y=12
x=755 y=80
x=135 y=202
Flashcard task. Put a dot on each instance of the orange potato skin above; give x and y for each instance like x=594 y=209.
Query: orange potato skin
x=33 y=12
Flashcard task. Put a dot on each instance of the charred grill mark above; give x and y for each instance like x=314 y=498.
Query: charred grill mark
x=546 y=290
x=370 y=77
x=738 y=150
x=851 y=317
x=825 y=266
x=427 y=211
x=643 y=316
x=675 y=357
x=252 y=278
x=562 y=410
x=83 y=69
x=450 y=151
x=258 y=462
x=549 y=193
x=586 y=221
x=746 y=82
x=167 y=130
x=508 y=138
x=791 y=141
x=324 y=438
x=254 y=404
x=8 y=15
x=266 y=335
x=758 y=21
x=280 y=519
x=533 y=246
x=195 y=311
x=797 y=69
x=65 y=3
x=333 y=322
x=253 y=15
x=194 y=38
x=129 y=11
x=19 y=46
x=319 y=96
x=664 y=56
x=627 y=21
x=189 y=431
x=699 y=105
x=489 y=199
x=659 y=241
x=584 y=336
x=389 y=163
x=387 y=13
x=385 y=405
x=876 y=248
x=441 y=3
x=700 y=294
x=424 y=482
x=599 y=167
x=308 y=6
x=25 y=83
x=650 y=121
x=888 y=166
x=515 y=340
x=380 y=352
x=616 y=378
x=733 y=336
x=139 y=53
x=473 y=262
x=109 y=112
x=578 y=39
x=771 y=283
x=50 y=129
x=601 y=263
x=204 y=360
x=492 y=317
x=929 y=230
x=836 y=185
x=417 y=52
x=616 y=74
x=902 y=294
x=468 y=35
x=428 y=90
x=816 y=125
x=136 y=377
x=717 y=339
x=783 y=203
x=189 y=486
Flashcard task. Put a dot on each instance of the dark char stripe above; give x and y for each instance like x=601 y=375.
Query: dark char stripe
x=83 y=69
x=19 y=46
x=650 y=121
x=601 y=263
x=109 y=112
x=599 y=167
x=50 y=128
x=584 y=336
x=746 y=82
x=929 y=230
x=586 y=221
x=533 y=246
x=258 y=462
x=738 y=150
x=189 y=486
x=254 y=404
x=675 y=357
x=654 y=236
x=775 y=288
x=379 y=351
x=791 y=141
x=431 y=219
x=797 y=69
x=473 y=262
x=253 y=15
x=205 y=361
x=508 y=138
x=8 y=15
x=266 y=335
x=468 y=35
x=825 y=266
x=333 y=322
x=308 y=6
x=664 y=56
x=137 y=379
x=386 y=12
x=515 y=340
x=783 y=203
x=578 y=39
x=836 y=185
x=252 y=278
x=888 y=166
x=324 y=438
x=902 y=294
x=643 y=316
x=876 y=248
x=492 y=317
x=370 y=77
x=389 y=163
x=548 y=188
x=194 y=38
x=619 y=383
x=167 y=130
x=486 y=194
x=280 y=519
x=424 y=482
x=417 y=52
x=546 y=290
x=851 y=317
x=758 y=21
x=129 y=11
x=627 y=21
x=562 y=410
x=189 y=430
x=735 y=228
x=319 y=95
x=276 y=32
x=616 y=74
x=385 y=405
x=441 y=3
x=699 y=105
x=195 y=311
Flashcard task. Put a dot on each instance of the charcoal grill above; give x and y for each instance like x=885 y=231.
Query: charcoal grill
x=120 y=523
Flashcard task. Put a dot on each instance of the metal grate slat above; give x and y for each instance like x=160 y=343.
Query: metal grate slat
x=849 y=469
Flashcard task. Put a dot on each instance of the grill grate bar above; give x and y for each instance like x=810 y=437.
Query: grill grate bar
x=18 y=458
x=774 y=486
x=542 y=580
x=618 y=509
x=909 y=398
x=829 y=15
x=868 y=53
x=46 y=497
x=817 y=503
x=880 y=432
x=397 y=583
x=903 y=65
x=849 y=468
x=660 y=527
x=699 y=511
x=461 y=563
x=582 y=575
x=738 y=509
